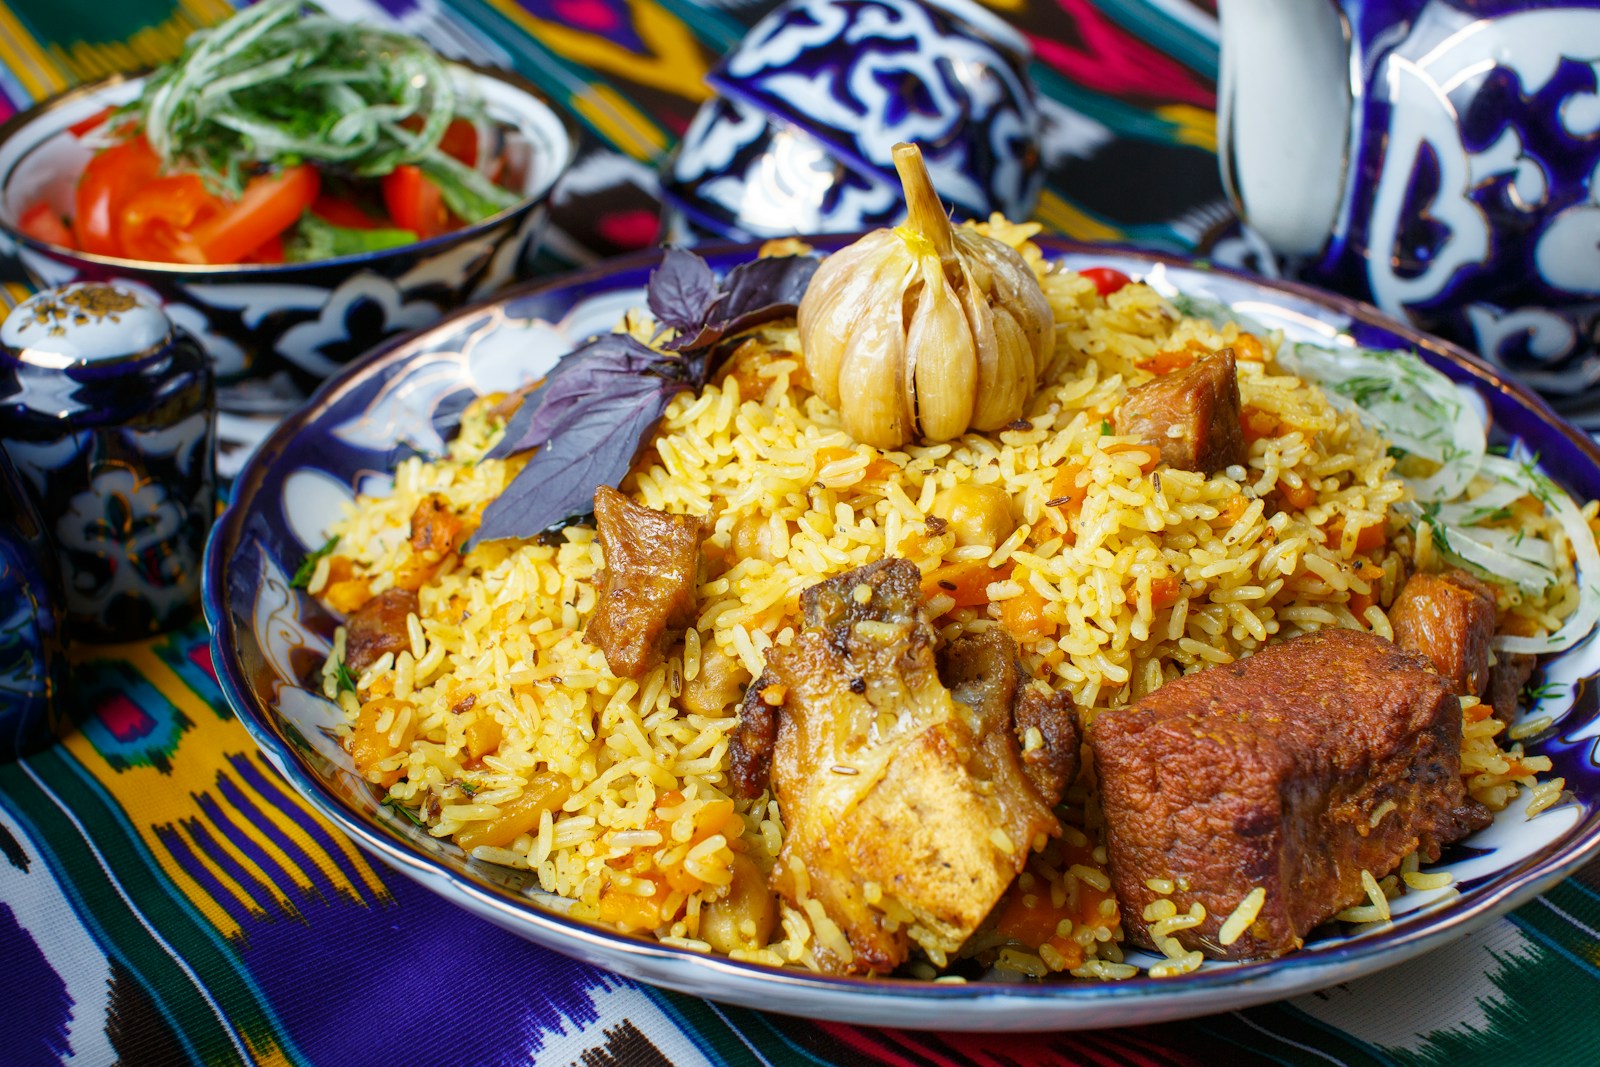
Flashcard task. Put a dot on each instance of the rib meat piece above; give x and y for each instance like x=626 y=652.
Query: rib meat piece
x=981 y=671
x=1292 y=770
x=647 y=593
x=376 y=627
x=907 y=814
x=1191 y=415
x=1449 y=618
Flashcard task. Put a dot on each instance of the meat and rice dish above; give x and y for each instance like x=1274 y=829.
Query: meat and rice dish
x=1171 y=658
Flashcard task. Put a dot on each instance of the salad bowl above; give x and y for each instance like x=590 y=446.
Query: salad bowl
x=270 y=640
x=274 y=330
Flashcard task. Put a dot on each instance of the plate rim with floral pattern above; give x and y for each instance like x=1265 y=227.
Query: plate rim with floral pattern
x=264 y=634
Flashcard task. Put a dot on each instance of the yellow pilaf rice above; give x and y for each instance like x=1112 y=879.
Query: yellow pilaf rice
x=500 y=631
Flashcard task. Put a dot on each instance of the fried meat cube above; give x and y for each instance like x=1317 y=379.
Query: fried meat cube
x=1191 y=415
x=905 y=822
x=1449 y=619
x=378 y=626
x=1507 y=676
x=434 y=527
x=1293 y=770
x=647 y=592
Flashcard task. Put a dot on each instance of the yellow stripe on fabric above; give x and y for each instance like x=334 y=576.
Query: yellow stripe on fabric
x=26 y=60
x=1072 y=222
x=674 y=62
x=619 y=122
x=1191 y=125
x=157 y=801
x=14 y=293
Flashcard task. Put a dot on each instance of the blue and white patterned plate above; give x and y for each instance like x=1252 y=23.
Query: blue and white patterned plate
x=267 y=636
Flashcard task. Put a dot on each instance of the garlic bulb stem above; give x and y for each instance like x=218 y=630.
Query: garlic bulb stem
x=924 y=211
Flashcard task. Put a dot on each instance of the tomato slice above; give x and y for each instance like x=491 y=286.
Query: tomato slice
x=270 y=204
x=461 y=141
x=43 y=224
x=1107 y=280
x=111 y=177
x=83 y=126
x=415 y=203
x=330 y=208
x=155 y=221
x=270 y=252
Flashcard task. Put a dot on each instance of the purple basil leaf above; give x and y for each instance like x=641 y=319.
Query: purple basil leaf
x=764 y=289
x=681 y=290
x=752 y=293
x=596 y=446
x=576 y=375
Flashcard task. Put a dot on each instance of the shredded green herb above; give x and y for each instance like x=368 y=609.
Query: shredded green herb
x=342 y=678
x=1532 y=694
x=412 y=815
x=1105 y=428
x=308 y=566
x=282 y=82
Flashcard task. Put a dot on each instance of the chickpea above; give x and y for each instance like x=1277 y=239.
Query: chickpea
x=753 y=538
x=721 y=680
x=722 y=922
x=977 y=514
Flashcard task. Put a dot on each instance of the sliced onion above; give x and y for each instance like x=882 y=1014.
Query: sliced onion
x=1580 y=622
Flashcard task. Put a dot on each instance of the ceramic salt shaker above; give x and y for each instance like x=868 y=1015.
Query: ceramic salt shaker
x=108 y=413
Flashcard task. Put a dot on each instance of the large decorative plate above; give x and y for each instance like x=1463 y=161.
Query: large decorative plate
x=268 y=635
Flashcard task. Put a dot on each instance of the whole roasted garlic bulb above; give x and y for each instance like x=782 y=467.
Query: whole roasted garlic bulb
x=924 y=331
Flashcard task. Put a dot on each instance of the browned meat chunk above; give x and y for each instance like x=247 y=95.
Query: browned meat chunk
x=750 y=747
x=652 y=561
x=1292 y=771
x=982 y=672
x=1449 y=619
x=903 y=823
x=378 y=626
x=434 y=527
x=1191 y=415
x=1508 y=675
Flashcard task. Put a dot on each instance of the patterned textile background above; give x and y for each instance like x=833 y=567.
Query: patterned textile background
x=164 y=898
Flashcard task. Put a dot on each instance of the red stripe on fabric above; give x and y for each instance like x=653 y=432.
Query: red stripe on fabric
x=1116 y=62
x=869 y=1043
x=200 y=656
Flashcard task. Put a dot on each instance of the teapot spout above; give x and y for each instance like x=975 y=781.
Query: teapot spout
x=1284 y=108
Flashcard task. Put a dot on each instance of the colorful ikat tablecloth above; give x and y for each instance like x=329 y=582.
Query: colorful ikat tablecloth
x=165 y=898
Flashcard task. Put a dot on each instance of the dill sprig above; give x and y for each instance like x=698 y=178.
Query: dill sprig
x=282 y=82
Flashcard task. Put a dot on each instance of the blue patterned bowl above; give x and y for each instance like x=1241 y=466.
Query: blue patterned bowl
x=296 y=322
x=859 y=76
x=739 y=175
x=269 y=637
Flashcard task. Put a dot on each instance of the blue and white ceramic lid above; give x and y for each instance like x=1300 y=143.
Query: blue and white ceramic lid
x=83 y=325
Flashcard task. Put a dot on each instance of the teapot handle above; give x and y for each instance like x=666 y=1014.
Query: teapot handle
x=1284 y=109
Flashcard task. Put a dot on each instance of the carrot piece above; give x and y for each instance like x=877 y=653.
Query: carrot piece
x=967 y=581
x=545 y=791
x=1023 y=616
x=1247 y=347
x=1299 y=497
x=1151 y=454
x=1164 y=591
x=631 y=911
x=484 y=734
x=370 y=746
x=1166 y=362
x=1257 y=424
